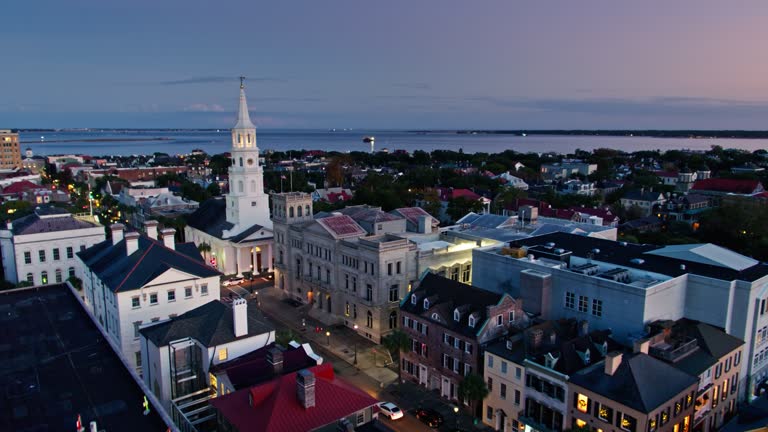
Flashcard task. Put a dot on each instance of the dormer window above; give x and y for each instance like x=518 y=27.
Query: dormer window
x=550 y=361
x=472 y=321
x=426 y=304
x=456 y=315
x=414 y=300
x=436 y=317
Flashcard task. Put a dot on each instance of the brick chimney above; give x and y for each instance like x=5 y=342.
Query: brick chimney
x=612 y=362
x=642 y=346
x=240 y=317
x=168 y=237
x=535 y=338
x=305 y=388
x=150 y=227
x=131 y=242
x=275 y=359
x=117 y=232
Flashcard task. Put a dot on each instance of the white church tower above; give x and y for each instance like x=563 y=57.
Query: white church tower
x=247 y=204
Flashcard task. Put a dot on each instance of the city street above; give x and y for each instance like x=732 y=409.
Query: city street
x=370 y=375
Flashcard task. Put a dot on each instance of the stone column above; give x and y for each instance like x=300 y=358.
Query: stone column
x=237 y=261
x=266 y=257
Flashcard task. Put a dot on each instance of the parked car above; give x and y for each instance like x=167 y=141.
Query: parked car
x=390 y=410
x=234 y=281
x=429 y=417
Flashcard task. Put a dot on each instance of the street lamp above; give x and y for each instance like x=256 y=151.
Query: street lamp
x=328 y=337
x=355 y=327
x=456 y=413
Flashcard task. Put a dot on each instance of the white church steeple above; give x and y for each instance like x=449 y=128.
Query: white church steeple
x=247 y=204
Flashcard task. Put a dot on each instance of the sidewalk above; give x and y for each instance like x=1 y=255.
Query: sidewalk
x=343 y=342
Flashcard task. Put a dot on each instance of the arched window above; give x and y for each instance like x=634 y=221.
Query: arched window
x=248 y=137
x=253 y=185
x=30 y=278
x=58 y=276
x=393 y=319
x=71 y=272
x=290 y=212
x=241 y=161
x=240 y=186
x=44 y=278
x=306 y=210
x=369 y=320
x=298 y=211
x=239 y=139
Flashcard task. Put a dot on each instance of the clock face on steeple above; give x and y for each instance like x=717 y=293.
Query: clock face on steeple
x=249 y=161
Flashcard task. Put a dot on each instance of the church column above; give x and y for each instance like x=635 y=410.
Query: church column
x=266 y=257
x=237 y=262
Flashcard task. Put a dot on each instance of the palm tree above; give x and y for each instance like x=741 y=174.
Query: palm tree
x=395 y=342
x=473 y=389
x=204 y=248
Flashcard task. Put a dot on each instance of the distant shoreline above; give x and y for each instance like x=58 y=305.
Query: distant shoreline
x=97 y=140
x=647 y=133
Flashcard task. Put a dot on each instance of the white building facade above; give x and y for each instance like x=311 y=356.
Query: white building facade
x=40 y=248
x=135 y=280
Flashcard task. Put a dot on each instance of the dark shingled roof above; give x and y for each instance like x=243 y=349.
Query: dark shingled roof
x=53 y=220
x=622 y=254
x=254 y=368
x=210 y=324
x=445 y=295
x=121 y=272
x=569 y=348
x=211 y=218
x=641 y=382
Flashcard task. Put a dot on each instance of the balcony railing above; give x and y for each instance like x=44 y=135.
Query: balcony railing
x=530 y=421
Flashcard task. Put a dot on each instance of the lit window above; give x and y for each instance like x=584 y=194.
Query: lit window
x=222 y=354
x=581 y=423
x=582 y=402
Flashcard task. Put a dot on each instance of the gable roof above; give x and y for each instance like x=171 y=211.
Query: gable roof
x=641 y=195
x=738 y=186
x=641 y=382
x=121 y=272
x=211 y=218
x=210 y=324
x=21 y=186
x=275 y=406
x=446 y=295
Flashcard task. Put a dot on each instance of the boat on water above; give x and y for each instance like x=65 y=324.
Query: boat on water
x=369 y=139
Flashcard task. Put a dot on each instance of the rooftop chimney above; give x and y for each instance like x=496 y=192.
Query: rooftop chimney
x=305 y=388
x=642 y=346
x=535 y=338
x=131 y=242
x=168 y=237
x=9 y=224
x=150 y=227
x=240 y=317
x=117 y=232
x=583 y=328
x=425 y=224
x=275 y=358
x=612 y=362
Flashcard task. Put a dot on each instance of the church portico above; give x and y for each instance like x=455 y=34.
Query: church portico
x=236 y=230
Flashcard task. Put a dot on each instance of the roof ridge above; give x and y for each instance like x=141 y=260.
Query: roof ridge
x=135 y=266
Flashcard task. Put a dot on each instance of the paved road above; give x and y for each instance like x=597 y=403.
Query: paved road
x=408 y=397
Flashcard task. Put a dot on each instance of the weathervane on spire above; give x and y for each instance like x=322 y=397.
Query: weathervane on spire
x=242 y=82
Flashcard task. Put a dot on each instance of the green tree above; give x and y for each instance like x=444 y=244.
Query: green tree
x=506 y=197
x=284 y=337
x=473 y=389
x=396 y=342
x=204 y=248
x=213 y=189
x=459 y=207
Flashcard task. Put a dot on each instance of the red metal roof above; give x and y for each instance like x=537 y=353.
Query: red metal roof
x=275 y=406
x=342 y=226
x=740 y=186
x=447 y=194
x=21 y=186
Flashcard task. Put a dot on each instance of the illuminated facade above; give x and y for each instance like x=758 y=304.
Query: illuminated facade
x=10 y=154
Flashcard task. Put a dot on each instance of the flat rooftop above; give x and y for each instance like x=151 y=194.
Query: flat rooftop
x=55 y=364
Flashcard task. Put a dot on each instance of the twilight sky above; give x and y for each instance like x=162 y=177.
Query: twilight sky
x=386 y=64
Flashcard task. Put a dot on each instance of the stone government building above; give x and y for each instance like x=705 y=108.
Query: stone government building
x=355 y=265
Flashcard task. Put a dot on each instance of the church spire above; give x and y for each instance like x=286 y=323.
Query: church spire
x=243 y=118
